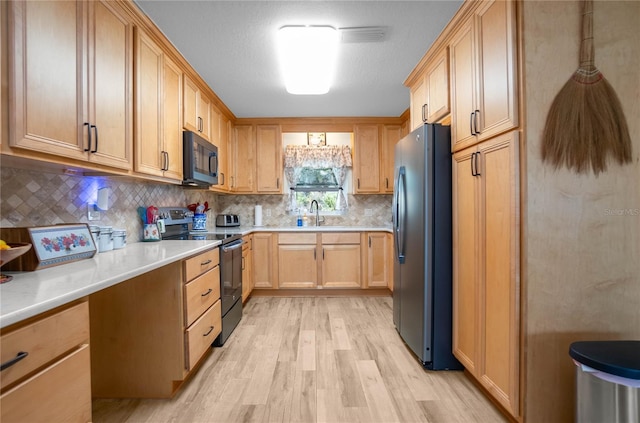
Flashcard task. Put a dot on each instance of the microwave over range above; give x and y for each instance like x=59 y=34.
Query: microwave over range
x=200 y=161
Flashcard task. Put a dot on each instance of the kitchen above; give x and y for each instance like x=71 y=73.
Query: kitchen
x=578 y=266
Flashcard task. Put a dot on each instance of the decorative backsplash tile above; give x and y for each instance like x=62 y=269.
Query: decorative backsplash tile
x=30 y=198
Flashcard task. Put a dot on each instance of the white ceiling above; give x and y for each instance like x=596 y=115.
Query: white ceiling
x=231 y=45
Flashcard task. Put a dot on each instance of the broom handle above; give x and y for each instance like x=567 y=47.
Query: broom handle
x=587 y=54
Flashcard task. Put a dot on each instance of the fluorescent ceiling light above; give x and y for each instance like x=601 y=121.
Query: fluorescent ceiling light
x=307 y=57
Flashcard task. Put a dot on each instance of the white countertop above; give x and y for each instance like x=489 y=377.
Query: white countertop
x=32 y=293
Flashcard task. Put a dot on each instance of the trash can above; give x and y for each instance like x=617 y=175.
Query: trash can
x=607 y=381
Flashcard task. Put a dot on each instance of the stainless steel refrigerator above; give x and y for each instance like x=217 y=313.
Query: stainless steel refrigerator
x=422 y=297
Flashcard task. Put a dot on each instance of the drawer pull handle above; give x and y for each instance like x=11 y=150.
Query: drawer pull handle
x=14 y=360
x=204 y=263
x=209 y=331
x=207 y=293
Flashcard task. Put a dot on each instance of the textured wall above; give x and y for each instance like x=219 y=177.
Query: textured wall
x=582 y=233
x=29 y=198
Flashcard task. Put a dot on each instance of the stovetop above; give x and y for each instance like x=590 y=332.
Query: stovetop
x=178 y=223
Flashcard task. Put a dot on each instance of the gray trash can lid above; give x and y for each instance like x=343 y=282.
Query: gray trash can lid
x=620 y=358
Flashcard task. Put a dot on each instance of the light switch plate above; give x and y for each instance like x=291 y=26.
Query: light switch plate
x=92 y=213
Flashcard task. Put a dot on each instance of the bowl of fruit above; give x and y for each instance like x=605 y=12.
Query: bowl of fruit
x=10 y=251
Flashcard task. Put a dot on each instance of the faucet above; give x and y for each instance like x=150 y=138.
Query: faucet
x=317 y=211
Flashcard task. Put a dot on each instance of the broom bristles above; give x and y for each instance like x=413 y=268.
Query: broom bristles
x=585 y=125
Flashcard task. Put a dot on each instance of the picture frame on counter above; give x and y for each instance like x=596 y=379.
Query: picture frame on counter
x=52 y=245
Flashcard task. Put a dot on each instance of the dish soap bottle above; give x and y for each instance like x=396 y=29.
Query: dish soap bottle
x=299 y=222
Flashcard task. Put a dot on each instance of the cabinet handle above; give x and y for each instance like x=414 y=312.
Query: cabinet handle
x=242 y=263
x=476 y=114
x=358 y=183
x=369 y=241
x=473 y=155
x=323 y=254
x=471 y=123
x=475 y=159
x=425 y=108
x=14 y=360
x=88 y=125
x=209 y=331
x=204 y=263
x=222 y=177
x=232 y=182
x=386 y=182
x=95 y=129
x=207 y=293
x=278 y=183
x=314 y=254
x=167 y=162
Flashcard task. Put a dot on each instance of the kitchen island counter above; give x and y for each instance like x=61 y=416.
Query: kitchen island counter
x=32 y=293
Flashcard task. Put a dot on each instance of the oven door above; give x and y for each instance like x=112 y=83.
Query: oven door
x=230 y=274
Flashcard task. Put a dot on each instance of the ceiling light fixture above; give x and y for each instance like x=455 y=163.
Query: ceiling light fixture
x=307 y=57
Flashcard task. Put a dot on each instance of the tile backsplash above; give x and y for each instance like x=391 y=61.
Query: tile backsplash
x=30 y=198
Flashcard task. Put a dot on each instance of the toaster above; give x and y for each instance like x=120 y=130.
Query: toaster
x=226 y=220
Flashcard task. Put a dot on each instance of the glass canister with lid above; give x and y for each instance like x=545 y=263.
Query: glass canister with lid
x=106 y=239
x=119 y=238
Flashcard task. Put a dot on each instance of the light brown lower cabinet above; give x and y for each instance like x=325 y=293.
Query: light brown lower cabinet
x=341 y=264
x=297 y=260
x=52 y=383
x=486 y=286
x=378 y=259
x=150 y=332
x=247 y=266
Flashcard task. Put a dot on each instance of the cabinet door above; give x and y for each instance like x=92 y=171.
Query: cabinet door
x=172 y=119
x=244 y=162
x=437 y=82
x=149 y=63
x=366 y=164
x=497 y=94
x=341 y=266
x=499 y=298
x=390 y=136
x=419 y=106
x=378 y=253
x=247 y=276
x=297 y=266
x=263 y=260
x=466 y=260
x=59 y=393
x=223 y=155
x=269 y=158
x=110 y=84
x=190 y=92
x=48 y=106
x=463 y=86
x=204 y=114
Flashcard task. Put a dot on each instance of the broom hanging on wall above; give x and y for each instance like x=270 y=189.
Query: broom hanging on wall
x=586 y=122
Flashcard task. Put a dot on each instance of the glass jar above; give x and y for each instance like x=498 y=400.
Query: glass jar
x=119 y=238
x=106 y=238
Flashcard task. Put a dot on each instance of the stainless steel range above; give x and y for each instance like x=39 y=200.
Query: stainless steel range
x=179 y=226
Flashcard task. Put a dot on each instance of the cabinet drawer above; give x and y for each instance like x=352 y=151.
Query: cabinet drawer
x=297 y=238
x=201 y=293
x=341 y=238
x=59 y=393
x=202 y=333
x=44 y=340
x=195 y=266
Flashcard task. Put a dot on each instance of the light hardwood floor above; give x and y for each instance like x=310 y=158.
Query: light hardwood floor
x=317 y=359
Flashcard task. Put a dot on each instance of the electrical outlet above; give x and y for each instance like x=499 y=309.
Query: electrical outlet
x=368 y=212
x=92 y=213
x=267 y=212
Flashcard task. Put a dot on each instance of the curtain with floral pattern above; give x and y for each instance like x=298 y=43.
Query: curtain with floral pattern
x=334 y=157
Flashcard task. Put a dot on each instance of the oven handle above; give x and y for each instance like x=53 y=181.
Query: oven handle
x=233 y=246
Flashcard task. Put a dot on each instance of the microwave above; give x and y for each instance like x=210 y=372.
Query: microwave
x=200 y=161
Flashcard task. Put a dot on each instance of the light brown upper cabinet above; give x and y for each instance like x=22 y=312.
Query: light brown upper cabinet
x=483 y=74
x=197 y=109
x=243 y=159
x=71 y=80
x=158 y=128
x=224 y=153
x=269 y=159
x=256 y=156
x=366 y=160
x=430 y=93
x=391 y=134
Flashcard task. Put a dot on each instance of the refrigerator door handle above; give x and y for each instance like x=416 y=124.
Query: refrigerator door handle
x=401 y=210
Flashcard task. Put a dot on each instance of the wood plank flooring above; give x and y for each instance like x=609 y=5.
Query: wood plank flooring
x=316 y=359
